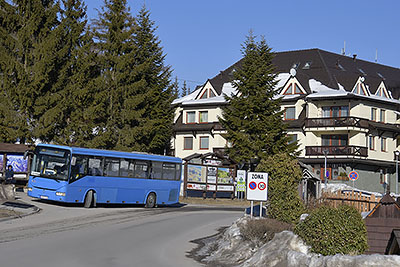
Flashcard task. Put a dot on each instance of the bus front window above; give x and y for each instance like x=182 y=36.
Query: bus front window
x=50 y=163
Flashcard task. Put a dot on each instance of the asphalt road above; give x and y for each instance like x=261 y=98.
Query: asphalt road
x=108 y=236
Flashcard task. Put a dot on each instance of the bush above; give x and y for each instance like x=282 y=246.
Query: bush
x=284 y=202
x=260 y=231
x=330 y=231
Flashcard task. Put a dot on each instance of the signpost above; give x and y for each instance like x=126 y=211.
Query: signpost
x=241 y=183
x=353 y=175
x=257 y=188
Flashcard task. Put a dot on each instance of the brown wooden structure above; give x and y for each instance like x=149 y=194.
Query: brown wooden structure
x=380 y=223
x=393 y=247
x=362 y=201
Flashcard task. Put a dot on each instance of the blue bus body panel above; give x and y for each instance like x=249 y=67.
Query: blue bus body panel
x=45 y=188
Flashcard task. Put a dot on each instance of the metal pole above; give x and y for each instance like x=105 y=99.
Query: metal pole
x=251 y=210
x=260 y=209
x=397 y=172
x=326 y=178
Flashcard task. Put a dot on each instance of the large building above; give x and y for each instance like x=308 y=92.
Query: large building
x=336 y=106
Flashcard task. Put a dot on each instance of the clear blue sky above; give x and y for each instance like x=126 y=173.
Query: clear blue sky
x=203 y=37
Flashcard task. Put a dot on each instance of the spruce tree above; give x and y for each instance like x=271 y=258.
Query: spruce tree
x=253 y=119
x=185 y=89
x=147 y=113
x=27 y=57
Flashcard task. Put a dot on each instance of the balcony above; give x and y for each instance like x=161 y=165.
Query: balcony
x=337 y=122
x=358 y=151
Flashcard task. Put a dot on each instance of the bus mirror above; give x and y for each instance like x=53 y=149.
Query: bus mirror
x=27 y=153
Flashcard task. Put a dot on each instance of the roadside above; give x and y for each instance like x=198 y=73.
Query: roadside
x=11 y=209
x=215 y=202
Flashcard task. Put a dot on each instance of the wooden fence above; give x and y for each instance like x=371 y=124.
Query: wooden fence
x=361 y=201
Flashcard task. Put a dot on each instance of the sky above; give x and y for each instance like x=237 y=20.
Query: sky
x=203 y=37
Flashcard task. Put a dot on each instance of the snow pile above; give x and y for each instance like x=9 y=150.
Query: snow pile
x=332 y=188
x=320 y=90
x=286 y=249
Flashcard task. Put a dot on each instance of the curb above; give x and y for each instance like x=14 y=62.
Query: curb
x=25 y=209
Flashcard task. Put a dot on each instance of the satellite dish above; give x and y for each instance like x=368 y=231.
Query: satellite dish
x=292 y=72
x=362 y=79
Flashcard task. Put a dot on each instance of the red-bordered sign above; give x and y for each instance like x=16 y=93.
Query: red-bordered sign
x=353 y=175
x=252 y=185
x=262 y=186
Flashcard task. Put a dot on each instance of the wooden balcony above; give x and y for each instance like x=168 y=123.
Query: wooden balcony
x=337 y=122
x=358 y=151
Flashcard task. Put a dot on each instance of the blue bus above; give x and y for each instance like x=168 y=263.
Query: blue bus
x=91 y=176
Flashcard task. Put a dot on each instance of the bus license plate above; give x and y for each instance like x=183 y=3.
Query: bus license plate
x=44 y=197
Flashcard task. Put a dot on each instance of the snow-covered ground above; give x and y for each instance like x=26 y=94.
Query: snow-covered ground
x=285 y=249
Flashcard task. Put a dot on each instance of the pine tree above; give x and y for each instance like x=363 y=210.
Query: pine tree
x=147 y=114
x=27 y=59
x=185 y=89
x=253 y=119
x=175 y=88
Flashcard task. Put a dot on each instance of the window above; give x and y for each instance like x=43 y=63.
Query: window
x=204 y=95
x=204 y=142
x=95 y=166
x=141 y=169
x=293 y=88
x=297 y=89
x=372 y=142
x=79 y=167
x=126 y=168
x=334 y=140
x=168 y=171
x=382 y=116
x=336 y=111
x=188 y=143
x=203 y=116
x=289 y=90
x=190 y=117
x=212 y=93
x=290 y=113
x=156 y=170
x=373 y=114
x=111 y=167
x=383 y=144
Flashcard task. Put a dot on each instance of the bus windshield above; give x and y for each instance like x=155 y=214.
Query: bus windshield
x=51 y=163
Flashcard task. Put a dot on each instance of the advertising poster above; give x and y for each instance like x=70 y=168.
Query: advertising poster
x=225 y=176
x=1 y=162
x=212 y=175
x=196 y=174
x=18 y=163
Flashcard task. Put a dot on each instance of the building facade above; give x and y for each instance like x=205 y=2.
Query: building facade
x=335 y=106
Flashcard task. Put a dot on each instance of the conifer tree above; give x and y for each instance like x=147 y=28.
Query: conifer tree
x=147 y=113
x=27 y=60
x=175 y=88
x=253 y=119
x=185 y=89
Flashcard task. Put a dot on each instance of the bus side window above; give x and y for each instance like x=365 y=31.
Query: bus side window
x=168 y=171
x=156 y=170
x=141 y=169
x=178 y=172
x=111 y=167
x=79 y=166
x=124 y=168
x=95 y=167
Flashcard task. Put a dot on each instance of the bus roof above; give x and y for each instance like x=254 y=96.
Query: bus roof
x=113 y=153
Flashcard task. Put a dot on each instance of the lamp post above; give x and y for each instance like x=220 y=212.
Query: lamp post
x=397 y=153
x=326 y=176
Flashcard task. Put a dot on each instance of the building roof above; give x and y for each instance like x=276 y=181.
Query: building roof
x=331 y=69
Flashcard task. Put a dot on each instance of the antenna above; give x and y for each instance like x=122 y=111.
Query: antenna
x=344 y=49
x=376 y=56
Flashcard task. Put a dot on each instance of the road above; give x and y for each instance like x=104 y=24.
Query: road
x=107 y=236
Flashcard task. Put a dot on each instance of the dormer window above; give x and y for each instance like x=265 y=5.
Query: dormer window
x=293 y=87
x=204 y=95
x=360 y=87
x=207 y=93
x=382 y=92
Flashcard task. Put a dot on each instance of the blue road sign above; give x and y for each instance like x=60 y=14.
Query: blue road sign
x=353 y=175
x=252 y=185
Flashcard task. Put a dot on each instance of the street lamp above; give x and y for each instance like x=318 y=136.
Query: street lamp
x=397 y=153
x=326 y=176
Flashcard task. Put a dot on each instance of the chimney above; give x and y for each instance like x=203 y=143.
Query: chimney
x=354 y=57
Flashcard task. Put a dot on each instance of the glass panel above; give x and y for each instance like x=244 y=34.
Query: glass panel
x=203 y=116
x=212 y=93
x=290 y=113
x=124 y=168
x=79 y=167
x=297 y=89
x=204 y=95
x=361 y=90
x=191 y=117
x=344 y=112
x=289 y=91
x=50 y=163
x=204 y=142
x=335 y=112
x=326 y=112
x=326 y=140
x=382 y=116
x=343 y=140
x=168 y=171
x=188 y=143
x=178 y=172
x=141 y=169
x=95 y=167
x=111 y=167
x=373 y=114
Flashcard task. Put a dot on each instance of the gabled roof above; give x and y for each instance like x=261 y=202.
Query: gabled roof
x=331 y=69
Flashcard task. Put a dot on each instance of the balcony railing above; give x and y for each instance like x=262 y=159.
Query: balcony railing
x=337 y=151
x=337 y=122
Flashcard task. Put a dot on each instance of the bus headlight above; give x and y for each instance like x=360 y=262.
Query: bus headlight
x=29 y=188
x=61 y=194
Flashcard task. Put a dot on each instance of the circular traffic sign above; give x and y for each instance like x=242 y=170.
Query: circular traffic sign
x=353 y=175
x=252 y=185
x=261 y=185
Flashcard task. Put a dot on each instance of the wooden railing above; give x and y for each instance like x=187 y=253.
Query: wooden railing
x=337 y=122
x=361 y=201
x=337 y=151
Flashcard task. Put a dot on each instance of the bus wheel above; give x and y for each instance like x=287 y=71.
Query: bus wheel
x=88 y=200
x=151 y=201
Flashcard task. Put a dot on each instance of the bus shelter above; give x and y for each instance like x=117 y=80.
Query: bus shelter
x=209 y=176
x=13 y=154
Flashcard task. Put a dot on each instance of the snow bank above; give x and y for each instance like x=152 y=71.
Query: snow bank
x=285 y=249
